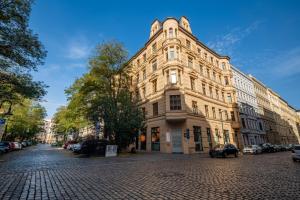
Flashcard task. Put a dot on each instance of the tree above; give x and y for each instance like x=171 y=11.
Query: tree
x=20 y=53
x=104 y=93
x=27 y=120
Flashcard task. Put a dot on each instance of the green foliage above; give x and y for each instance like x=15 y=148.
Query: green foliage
x=27 y=120
x=20 y=52
x=104 y=93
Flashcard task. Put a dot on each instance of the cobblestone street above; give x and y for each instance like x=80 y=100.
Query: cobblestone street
x=42 y=172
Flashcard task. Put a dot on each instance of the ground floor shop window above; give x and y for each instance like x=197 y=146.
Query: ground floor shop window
x=209 y=137
x=155 y=139
x=226 y=137
x=198 y=138
x=143 y=138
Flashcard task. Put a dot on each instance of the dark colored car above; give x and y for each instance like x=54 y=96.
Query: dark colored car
x=221 y=150
x=5 y=146
x=268 y=148
x=97 y=147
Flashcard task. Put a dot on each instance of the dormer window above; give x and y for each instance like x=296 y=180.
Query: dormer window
x=171 y=33
x=144 y=58
x=223 y=65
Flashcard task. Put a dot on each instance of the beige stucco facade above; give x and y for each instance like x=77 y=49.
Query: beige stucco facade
x=279 y=117
x=184 y=88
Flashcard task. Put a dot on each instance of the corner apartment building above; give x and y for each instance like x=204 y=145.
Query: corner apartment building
x=185 y=90
x=252 y=125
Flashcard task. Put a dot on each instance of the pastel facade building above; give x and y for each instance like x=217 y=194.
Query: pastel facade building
x=185 y=90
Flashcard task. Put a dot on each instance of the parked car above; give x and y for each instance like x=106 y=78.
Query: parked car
x=92 y=146
x=76 y=148
x=296 y=153
x=69 y=143
x=289 y=147
x=267 y=148
x=7 y=146
x=2 y=150
x=252 y=149
x=223 y=151
x=24 y=144
x=18 y=146
x=4 y=146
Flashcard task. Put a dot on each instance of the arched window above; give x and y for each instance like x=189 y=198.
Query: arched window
x=171 y=34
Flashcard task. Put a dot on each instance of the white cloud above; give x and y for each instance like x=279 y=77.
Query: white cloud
x=225 y=44
x=78 y=48
x=286 y=63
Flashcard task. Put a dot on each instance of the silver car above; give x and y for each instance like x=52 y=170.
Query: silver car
x=296 y=153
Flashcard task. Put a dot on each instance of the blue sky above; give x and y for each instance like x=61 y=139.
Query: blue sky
x=261 y=37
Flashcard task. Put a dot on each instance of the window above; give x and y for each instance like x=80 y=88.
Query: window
x=154 y=48
x=144 y=58
x=214 y=112
x=192 y=83
x=232 y=116
x=199 y=51
x=175 y=102
x=138 y=62
x=209 y=137
x=223 y=65
x=220 y=78
x=144 y=74
x=211 y=60
x=208 y=73
x=138 y=77
x=226 y=114
x=155 y=139
x=188 y=44
x=203 y=88
x=190 y=62
x=229 y=99
x=226 y=80
x=201 y=69
x=217 y=136
x=217 y=62
x=154 y=85
x=243 y=123
x=155 y=109
x=195 y=107
x=260 y=126
x=226 y=137
x=206 y=111
x=210 y=92
x=144 y=91
x=223 y=98
x=171 y=54
x=220 y=114
x=217 y=94
x=173 y=77
x=171 y=33
x=154 y=65
x=205 y=56
x=214 y=76
x=198 y=138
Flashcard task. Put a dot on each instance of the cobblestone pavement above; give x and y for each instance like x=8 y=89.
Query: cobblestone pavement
x=42 y=172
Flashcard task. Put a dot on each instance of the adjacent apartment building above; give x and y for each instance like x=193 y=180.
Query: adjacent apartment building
x=185 y=90
x=252 y=125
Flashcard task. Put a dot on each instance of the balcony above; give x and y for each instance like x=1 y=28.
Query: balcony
x=176 y=115
x=171 y=41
